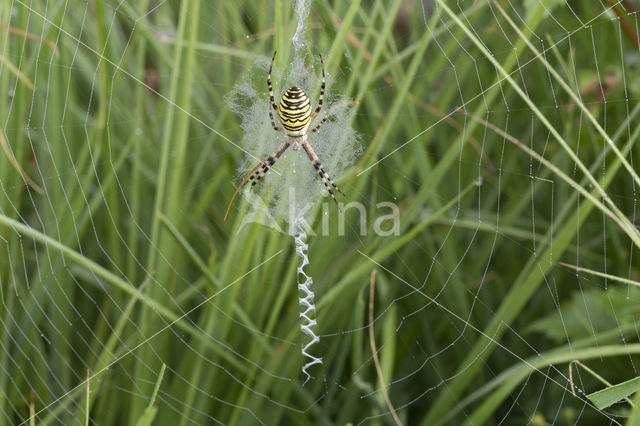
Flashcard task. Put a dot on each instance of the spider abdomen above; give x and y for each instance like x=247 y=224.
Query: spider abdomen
x=295 y=111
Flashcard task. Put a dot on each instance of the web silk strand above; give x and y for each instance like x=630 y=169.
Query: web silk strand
x=307 y=304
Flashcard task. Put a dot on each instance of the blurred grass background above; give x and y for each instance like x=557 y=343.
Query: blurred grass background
x=118 y=162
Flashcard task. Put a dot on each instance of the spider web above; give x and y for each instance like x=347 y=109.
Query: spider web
x=499 y=155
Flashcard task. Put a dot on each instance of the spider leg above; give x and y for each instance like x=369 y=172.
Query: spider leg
x=326 y=179
x=331 y=108
x=267 y=163
x=271 y=99
x=315 y=113
x=259 y=171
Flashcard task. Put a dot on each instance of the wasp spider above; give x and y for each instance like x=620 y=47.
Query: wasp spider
x=295 y=115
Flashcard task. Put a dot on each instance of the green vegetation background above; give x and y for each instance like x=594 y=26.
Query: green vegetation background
x=120 y=120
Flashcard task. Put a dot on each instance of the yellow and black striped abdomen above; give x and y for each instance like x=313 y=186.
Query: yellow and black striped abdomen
x=295 y=111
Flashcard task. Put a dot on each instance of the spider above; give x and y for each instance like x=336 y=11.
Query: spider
x=295 y=115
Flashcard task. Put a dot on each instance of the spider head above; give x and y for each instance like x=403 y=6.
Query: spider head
x=295 y=111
